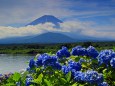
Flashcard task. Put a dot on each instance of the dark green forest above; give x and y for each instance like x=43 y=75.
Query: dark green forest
x=50 y=48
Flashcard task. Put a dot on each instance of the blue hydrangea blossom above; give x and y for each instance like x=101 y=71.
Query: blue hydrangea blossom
x=93 y=77
x=92 y=52
x=28 y=80
x=65 y=69
x=112 y=62
x=105 y=56
x=45 y=60
x=56 y=65
x=32 y=63
x=79 y=76
x=74 y=65
x=63 y=52
x=103 y=84
x=79 y=51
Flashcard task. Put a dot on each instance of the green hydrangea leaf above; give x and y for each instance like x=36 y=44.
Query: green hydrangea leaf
x=16 y=76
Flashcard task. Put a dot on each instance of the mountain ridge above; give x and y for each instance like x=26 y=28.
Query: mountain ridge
x=48 y=37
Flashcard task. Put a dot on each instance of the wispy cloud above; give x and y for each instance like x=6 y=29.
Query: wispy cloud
x=24 y=11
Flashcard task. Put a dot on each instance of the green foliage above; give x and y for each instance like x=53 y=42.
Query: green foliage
x=68 y=76
x=39 y=79
x=52 y=48
x=48 y=83
x=16 y=77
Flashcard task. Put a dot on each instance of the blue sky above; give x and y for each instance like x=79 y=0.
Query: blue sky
x=99 y=15
x=20 y=12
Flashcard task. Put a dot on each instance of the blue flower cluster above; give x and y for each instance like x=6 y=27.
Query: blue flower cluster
x=79 y=51
x=45 y=60
x=105 y=56
x=92 y=77
x=112 y=62
x=66 y=69
x=74 y=65
x=63 y=52
x=103 y=84
x=71 y=66
x=79 y=76
x=92 y=52
x=32 y=63
x=28 y=80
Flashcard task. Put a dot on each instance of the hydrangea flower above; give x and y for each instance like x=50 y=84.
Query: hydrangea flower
x=112 y=62
x=63 y=52
x=79 y=51
x=103 y=84
x=92 y=52
x=82 y=60
x=93 y=77
x=46 y=60
x=32 y=63
x=74 y=65
x=39 y=60
x=105 y=56
x=28 y=69
x=65 y=69
x=56 y=66
x=73 y=71
x=28 y=80
x=79 y=76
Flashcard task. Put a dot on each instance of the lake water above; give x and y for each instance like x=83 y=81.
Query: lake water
x=13 y=63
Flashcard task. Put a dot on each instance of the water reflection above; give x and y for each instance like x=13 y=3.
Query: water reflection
x=13 y=63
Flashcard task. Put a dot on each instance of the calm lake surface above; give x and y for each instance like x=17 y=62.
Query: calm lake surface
x=13 y=63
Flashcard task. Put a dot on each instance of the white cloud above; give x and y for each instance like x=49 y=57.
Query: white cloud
x=24 y=31
x=75 y=27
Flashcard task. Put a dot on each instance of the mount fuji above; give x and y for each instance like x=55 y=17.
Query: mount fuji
x=45 y=19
